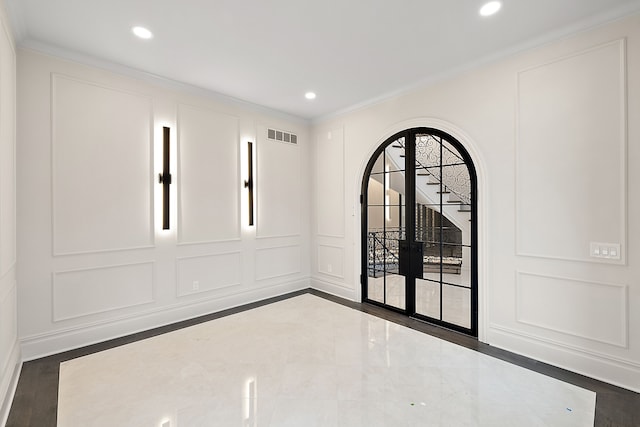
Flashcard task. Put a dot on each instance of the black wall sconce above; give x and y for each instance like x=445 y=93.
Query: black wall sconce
x=165 y=177
x=249 y=182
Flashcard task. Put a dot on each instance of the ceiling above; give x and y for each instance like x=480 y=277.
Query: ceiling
x=270 y=52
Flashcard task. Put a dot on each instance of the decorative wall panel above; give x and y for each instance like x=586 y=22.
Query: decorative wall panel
x=570 y=162
x=278 y=188
x=7 y=156
x=208 y=272
x=330 y=183
x=102 y=173
x=331 y=260
x=90 y=291
x=8 y=326
x=277 y=262
x=591 y=310
x=208 y=176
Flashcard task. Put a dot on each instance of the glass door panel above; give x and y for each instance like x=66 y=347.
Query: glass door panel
x=456 y=305
x=456 y=269
x=375 y=253
x=375 y=195
x=428 y=298
x=419 y=229
x=395 y=223
x=441 y=195
x=378 y=166
x=386 y=226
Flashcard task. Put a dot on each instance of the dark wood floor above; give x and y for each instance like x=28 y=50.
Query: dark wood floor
x=36 y=399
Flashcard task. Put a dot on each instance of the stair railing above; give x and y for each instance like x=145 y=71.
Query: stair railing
x=458 y=183
x=383 y=252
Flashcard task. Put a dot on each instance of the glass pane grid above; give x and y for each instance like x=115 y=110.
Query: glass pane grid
x=443 y=184
x=441 y=175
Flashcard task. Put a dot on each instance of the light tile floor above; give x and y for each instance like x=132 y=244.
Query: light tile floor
x=307 y=361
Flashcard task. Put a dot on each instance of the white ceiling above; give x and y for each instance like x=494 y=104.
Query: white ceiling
x=270 y=52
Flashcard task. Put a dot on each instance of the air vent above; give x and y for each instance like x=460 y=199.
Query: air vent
x=279 y=135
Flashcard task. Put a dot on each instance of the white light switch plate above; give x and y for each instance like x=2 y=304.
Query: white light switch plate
x=605 y=250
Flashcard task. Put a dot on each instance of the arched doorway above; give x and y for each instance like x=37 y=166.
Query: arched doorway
x=419 y=236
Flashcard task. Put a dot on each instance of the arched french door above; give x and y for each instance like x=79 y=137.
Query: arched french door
x=419 y=237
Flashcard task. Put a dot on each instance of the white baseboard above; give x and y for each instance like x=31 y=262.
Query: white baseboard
x=9 y=383
x=41 y=345
x=333 y=287
x=612 y=370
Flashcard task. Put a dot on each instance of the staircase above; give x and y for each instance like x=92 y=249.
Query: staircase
x=450 y=180
x=454 y=184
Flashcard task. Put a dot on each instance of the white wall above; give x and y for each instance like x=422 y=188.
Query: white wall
x=93 y=260
x=556 y=141
x=9 y=348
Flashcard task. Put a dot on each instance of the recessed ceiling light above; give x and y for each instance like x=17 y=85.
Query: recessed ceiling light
x=310 y=95
x=142 y=32
x=490 y=8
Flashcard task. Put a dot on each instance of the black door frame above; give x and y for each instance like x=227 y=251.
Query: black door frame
x=410 y=197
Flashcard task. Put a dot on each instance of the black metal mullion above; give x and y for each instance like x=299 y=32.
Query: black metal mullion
x=399 y=214
x=384 y=227
x=440 y=227
x=474 y=248
x=410 y=212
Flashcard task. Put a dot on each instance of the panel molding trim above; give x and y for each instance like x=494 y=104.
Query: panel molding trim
x=277 y=196
x=333 y=287
x=548 y=342
x=55 y=77
x=279 y=236
x=75 y=336
x=8 y=324
x=9 y=116
x=7 y=284
x=10 y=268
x=608 y=368
x=622 y=94
x=182 y=110
x=289 y=272
x=232 y=284
x=621 y=293
x=55 y=283
x=330 y=236
x=321 y=270
x=208 y=242
x=330 y=136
